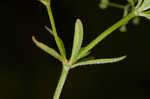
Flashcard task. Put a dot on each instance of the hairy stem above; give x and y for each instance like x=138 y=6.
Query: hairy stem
x=61 y=82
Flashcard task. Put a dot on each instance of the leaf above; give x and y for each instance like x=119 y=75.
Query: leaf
x=63 y=47
x=99 y=61
x=82 y=55
x=78 y=38
x=49 y=30
x=139 y=2
x=147 y=12
x=145 y=5
x=60 y=40
x=47 y=49
x=45 y=2
x=87 y=58
x=146 y=16
x=59 y=43
x=132 y=2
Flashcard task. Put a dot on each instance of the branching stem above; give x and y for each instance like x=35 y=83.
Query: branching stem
x=108 y=32
x=54 y=31
x=61 y=82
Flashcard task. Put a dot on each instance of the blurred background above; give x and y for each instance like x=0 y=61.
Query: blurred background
x=26 y=72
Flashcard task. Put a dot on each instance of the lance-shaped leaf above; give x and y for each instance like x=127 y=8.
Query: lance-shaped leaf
x=145 y=5
x=78 y=38
x=57 y=39
x=47 y=49
x=98 y=61
x=45 y=2
x=82 y=55
x=61 y=42
x=49 y=30
x=132 y=2
x=146 y=14
x=139 y=2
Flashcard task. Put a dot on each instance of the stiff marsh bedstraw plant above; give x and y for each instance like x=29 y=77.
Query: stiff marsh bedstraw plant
x=79 y=53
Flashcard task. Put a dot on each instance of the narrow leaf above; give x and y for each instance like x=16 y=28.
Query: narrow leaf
x=78 y=37
x=57 y=39
x=99 y=61
x=45 y=2
x=146 y=16
x=49 y=30
x=47 y=49
x=145 y=5
x=132 y=2
x=147 y=12
x=107 y=32
x=82 y=55
x=139 y=2
x=87 y=58
x=60 y=40
x=63 y=47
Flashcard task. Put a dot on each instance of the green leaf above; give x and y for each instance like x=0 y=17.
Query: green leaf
x=146 y=15
x=145 y=6
x=99 y=61
x=78 y=38
x=49 y=30
x=139 y=2
x=147 y=12
x=106 y=33
x=47 y=49
x=82 y=55
x=45 y=2
x=132 y=2
x=59 y=43
x=87 y=58
x=60 y=40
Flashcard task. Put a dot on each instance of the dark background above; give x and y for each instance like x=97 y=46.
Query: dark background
x=26 y=72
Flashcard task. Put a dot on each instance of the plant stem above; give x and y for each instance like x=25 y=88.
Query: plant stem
x=61 y=82
x=54 y=31
x=107 y=32
x=116 y=5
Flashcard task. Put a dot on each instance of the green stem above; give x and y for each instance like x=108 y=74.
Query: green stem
x=61 y=82
x=107 y=32
x=116 y=5
x=55 y=32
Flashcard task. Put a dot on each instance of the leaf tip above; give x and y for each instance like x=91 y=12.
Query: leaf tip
x=78 y=21
x=35 y=41
x=33 y=38
x=123 y=57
